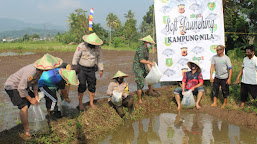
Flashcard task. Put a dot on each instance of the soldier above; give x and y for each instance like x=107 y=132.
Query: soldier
x=121 y=86
x=17 y=86
x=89 y=57
x=140 y=60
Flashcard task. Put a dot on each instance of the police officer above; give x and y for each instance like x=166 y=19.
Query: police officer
x=89 y=57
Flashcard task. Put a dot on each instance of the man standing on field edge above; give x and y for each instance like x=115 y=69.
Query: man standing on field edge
x=89 y=57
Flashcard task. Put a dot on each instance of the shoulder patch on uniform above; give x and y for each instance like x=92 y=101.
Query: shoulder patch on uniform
x=30 y=78
x=78 y=49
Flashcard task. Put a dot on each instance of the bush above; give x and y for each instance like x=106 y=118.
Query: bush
x=118 y=42
x=135 y=45
x=68 y=38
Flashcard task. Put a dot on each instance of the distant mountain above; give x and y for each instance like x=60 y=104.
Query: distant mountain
x=17 y=28
x=29 y=31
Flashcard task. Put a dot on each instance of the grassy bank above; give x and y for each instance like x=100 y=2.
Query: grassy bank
x=49 y=46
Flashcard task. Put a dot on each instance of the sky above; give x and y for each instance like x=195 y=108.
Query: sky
x=57 y=11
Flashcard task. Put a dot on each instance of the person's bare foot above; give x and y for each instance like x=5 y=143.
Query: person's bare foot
x=81 y=107
x=140 y=101
x=214 y=104
x=223 y=106
x=92 y=106
x=26 y=136
x=198 y=106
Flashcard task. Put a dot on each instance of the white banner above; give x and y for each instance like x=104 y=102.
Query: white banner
x=187 y=30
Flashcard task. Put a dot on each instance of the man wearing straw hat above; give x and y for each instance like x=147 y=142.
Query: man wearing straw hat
x=192 y=80
x=17 y=86
x=50 y=81
x=140 y=60
x=223 y=68
x=89 y=57
x=121 y=86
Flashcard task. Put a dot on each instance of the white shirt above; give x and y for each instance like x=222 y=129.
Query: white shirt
x=250 y=70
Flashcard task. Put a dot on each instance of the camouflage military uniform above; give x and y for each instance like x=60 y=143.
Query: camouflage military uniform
x=140 y=69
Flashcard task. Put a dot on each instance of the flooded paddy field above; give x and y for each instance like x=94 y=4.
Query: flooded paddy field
x=184 y=128
x=221 y=126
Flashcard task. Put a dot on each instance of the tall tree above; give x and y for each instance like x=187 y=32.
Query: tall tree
x=129 y=15
x=130 y=29
x=113 y=23
x=78 y=23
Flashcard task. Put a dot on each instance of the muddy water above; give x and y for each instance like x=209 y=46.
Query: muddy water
x=15 y=54
x=186 y=128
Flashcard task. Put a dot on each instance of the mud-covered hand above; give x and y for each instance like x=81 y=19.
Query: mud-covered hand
x=101 y=74
x=34 y=101
x=67 y=99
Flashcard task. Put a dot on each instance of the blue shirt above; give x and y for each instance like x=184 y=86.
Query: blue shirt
x=50 y=78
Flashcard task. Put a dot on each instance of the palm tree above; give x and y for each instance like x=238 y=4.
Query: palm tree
x=113 y=22
x=129 y=15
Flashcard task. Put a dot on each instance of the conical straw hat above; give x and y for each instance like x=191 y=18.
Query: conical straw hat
x=119 y=74
x=92 y=39
x=148 y=39
x=48 y=62
x=69 y=76
x=189 y=65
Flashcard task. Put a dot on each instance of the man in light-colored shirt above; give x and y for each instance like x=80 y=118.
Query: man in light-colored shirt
x=121 y=86
x=17 y=86
x=249 y=78
x=89 y=57
x=223 y=68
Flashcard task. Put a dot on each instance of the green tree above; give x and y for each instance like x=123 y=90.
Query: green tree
x=78 y=23
x=148 y=18
x=113 y=23
x=129 y=15
x=130 y=30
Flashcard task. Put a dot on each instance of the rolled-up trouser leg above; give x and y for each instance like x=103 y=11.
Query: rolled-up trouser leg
x=118 y=109
x=82 y=81
x=129 y=103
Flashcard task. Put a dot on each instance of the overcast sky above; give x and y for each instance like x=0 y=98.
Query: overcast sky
x=56 y=11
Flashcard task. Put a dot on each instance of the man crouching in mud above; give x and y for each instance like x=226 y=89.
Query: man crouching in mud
x=17 y=87
x=120 y=86
x=192 y=80
x=140 y=60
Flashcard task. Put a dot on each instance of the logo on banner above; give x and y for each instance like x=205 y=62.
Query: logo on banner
x=213 y=48
x=211 y=6
x=183 y=51
x=169 y=62
x=184 y=70
x=196 y=16
x=165 y=19
x=198 y=58
x=214 y=28
x=167 y=42
x=181 y=8
x=182 y=30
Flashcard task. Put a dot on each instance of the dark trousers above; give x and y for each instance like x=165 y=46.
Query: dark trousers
x=50 y=97
x=17 y=100
x=224 y=87
x=126 y=102
x=87 y=78
x=247 y=88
